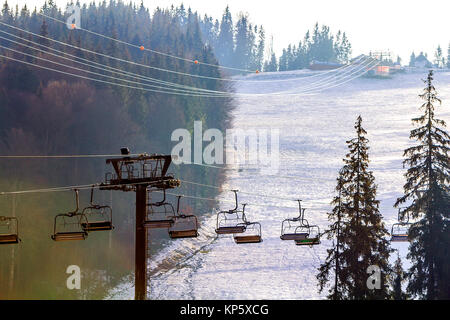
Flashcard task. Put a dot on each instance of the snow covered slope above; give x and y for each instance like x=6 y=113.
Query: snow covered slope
x=313 y=131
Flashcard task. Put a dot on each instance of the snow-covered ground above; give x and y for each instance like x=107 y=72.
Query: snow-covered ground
x=313 y=132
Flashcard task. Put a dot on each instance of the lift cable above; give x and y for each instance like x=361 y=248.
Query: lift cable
x=161 y=69
x=97 y=186
x=142 y=48
x=313 y=84
x=67 y=156
x=125 y=73
x=102 y=81
x=100 y=66
x=145 y=89
x=103 y=75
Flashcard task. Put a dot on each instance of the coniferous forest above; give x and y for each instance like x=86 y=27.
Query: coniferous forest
x=43 y=112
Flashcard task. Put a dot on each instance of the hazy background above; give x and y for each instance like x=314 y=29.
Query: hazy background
x=400 y=26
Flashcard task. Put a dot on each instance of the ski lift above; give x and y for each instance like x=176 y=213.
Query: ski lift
x=97 y=217
x=252 y=233
x=231 y=221
x=67 y=226
x=9 y=230
x=159 y=214
x=312 y=238
x=400 y=230
x=184 y=226
x=292 y=228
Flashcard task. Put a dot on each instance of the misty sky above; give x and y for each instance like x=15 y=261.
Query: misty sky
x=400 y=26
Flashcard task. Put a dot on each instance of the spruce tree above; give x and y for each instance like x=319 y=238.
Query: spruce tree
x=427 y=193
x=358 y=229
x=397 y=281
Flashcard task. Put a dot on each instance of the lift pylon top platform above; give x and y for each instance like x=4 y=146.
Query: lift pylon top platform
x=130 y=171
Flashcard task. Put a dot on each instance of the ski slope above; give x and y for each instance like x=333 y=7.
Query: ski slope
x=313 y=132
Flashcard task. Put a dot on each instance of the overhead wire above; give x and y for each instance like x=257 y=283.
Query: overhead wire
x=97 y=65
x=106 y=76
x=128 y=74
x=142 y=48
x=183 y=86
x=139 y=64
x=170 y=55
x=166 y=91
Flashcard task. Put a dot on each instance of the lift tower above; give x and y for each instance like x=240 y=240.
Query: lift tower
x=140 y=174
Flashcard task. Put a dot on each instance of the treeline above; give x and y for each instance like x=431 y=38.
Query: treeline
x=243 y=45
x=239 y=45
x=319 y=45
x=47 y=113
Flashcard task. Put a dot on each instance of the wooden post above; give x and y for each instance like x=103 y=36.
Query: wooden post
x=140 y=246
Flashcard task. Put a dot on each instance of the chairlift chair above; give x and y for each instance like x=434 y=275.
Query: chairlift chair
x=292 y=229
x=9 y=230
x=184 y=226
x=400 y=230
x=68 y=226
x=312 y=238
x=97 y=217
x=231 y=221
x=159 y=214
x=252 y=233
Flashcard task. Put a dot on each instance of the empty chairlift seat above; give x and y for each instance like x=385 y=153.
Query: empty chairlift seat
x=68 y=226
x=183 y=226
x=9 y=230
x=160 y=215
x=295 y=228
x=252 y=234
x=312 y=238
x=400 y=230
x=96 y=217
x=231 y=221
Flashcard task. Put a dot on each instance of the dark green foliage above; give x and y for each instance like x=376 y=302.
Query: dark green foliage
x=321 y=46
x=397 y=280
x=239 y=45
x=358 y=229
x=428 y=200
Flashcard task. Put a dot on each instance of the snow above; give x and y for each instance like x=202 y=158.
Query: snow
x=313 y=132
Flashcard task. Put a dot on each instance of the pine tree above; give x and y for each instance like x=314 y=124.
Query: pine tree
x=398 y=279
x=438 y=57
x=358 y=229
x=448 y=56
x=225 y=42
x=412 y=60
x=427 y=186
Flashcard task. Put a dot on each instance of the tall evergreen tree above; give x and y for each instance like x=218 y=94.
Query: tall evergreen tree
x=360 y=232
x=397 y=281
x=225 y=41
x=427 y=188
